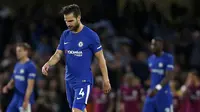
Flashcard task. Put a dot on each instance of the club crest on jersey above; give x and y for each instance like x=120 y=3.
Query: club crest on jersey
x=160 y=64
x=21 y=71
x=80 y=44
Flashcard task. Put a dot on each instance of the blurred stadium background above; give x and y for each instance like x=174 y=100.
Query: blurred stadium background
x=125 y=28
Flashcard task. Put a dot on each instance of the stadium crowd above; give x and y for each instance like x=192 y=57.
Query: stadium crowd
x=125 y=41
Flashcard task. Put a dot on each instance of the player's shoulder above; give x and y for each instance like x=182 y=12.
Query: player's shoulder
x=151 y=57
x=90 y=33
x=89 y=30
x=167 y=55
x=30 y=63
x=65 y=32
x=17 y=63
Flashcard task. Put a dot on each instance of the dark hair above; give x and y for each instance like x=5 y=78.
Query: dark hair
x=26 y=46
x=73 y=8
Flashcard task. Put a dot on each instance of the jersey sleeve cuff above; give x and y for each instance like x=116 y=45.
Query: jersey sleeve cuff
x=98 y=49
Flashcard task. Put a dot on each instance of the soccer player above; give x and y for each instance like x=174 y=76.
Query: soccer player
x=79 y=44
x=161 y=65
x=23 y=80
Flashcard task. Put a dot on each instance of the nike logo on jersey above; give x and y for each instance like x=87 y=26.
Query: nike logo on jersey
x=79 y=98
x=66 y=42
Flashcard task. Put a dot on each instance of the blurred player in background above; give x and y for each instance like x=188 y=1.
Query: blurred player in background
x=101 y=102
x=161 y=65
x=131 y=94
x=176 y=93
x=79 y=44
x=191 y=91
x=23 y=80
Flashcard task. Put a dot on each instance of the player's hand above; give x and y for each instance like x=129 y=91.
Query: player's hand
x=45 y=69
x=152 y=92
x=5 y=89
x=106 y=86
x=25 y=105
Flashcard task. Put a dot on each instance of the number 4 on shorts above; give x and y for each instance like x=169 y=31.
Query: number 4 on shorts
x=81 y=92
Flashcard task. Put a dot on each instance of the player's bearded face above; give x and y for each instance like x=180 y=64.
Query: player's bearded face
x=75 y=26
x=72 y=22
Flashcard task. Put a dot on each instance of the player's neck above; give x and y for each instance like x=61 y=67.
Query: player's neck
x=24 y=60
x=159 y=53
x=80 y=28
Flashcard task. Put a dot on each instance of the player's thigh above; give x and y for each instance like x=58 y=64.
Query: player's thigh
x=77 y=110
x=164 y=104
x=12 y=107
x=70 y=94
x=149 y=105
x=165 y=108
x=82 y=93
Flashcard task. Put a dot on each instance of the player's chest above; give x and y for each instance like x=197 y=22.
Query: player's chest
x=19 y=73
x=157 y=64
x=75 y=43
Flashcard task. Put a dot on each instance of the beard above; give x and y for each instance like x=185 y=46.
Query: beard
x=74 y=28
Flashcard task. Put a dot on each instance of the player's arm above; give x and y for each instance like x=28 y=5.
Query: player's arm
x=52 y=61
x=10 y=84
x=102 y=65
x=29 y=89
x=97 y=50
x=58 y=54
x=55 y=58
x=31 y=82
x=168 y=77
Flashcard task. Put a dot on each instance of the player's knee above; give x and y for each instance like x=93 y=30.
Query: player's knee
x=76 y=110
x=79 y=108
x=85 y=110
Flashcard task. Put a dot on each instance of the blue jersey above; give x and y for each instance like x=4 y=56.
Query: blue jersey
x=21 y=74
x=79 y=49
x=158 y=66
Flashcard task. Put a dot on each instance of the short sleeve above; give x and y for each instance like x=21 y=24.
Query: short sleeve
x=61 y=43
x=96 y=44
x=170 y=63
x=31 y=71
